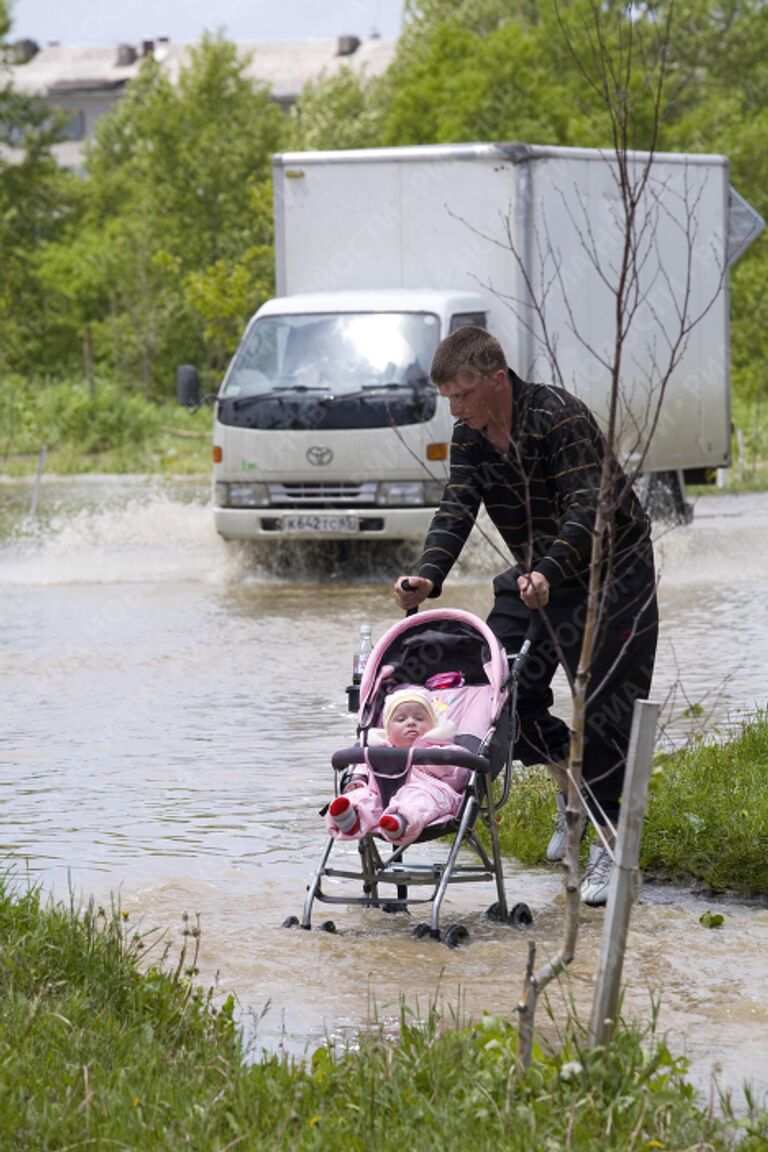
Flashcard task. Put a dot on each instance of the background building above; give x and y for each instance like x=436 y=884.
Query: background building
x=85 y=81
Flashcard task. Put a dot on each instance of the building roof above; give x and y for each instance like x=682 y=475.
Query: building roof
x=283 y=66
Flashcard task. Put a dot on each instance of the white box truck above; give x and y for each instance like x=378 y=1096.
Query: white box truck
x=325 y=423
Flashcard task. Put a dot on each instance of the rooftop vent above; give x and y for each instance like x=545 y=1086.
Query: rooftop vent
x=126 y=55
x=23 y=51
x=347 y=45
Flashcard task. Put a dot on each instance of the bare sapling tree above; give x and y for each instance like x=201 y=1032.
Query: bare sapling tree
x=641 y=245
x=621 y=54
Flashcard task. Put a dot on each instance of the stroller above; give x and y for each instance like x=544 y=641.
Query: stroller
x=481 y=704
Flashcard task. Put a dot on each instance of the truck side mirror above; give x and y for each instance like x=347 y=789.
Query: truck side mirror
x=188 y=386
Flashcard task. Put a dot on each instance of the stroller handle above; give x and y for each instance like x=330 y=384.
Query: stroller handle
x=408 y=587
x=391 y=760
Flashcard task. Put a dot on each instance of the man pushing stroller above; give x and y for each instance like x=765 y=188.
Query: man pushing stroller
x=535 y=457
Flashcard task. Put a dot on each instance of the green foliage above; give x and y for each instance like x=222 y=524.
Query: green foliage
x=36 y=201
x=750 y=443
x=566 y=73
x=528 y=818
x=99 y=1044
x=709 y=817
x=476 y=17
x=172 y=251
x=449 y=86
x=226 y=292
x=102 y=428
x=340 y=111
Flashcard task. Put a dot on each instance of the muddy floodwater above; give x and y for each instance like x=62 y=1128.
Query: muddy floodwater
x=170 y=704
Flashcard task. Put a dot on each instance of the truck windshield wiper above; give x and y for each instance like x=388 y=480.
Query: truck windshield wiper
x=303 y=388
x=274 y=394
x=254 y=398
x=367 y=392
x=370 y=390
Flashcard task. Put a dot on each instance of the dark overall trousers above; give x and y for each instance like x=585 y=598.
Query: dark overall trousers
x=621 y=673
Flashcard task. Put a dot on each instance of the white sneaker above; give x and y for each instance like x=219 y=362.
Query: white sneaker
x=556 y=846
x=597 y=877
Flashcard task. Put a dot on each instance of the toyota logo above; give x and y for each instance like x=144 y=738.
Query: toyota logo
x=319 y=455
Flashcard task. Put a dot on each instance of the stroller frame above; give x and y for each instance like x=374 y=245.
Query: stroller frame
x=378 y=869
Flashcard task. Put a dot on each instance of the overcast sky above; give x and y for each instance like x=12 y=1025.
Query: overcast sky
x=184 y=21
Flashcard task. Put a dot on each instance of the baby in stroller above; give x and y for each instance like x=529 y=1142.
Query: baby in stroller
x=434 y=753
x=429 y=794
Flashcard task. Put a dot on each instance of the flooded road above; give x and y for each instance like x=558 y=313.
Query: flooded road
x=170 y=705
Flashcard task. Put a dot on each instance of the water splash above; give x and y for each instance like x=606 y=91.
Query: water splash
x=115 y=529
x=724 y=543
x=115 y=535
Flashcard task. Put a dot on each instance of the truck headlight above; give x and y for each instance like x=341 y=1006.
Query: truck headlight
x=401 y=493
x=242 y=495
x=433 y=491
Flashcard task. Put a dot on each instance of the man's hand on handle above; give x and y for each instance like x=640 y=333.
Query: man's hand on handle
x=534 y=590
x=409 y=598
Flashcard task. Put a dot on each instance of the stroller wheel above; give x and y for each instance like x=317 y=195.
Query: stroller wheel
x=422 y=930
x=456 y=934
x=521 y=916
x=290 y=921
x=327 y=926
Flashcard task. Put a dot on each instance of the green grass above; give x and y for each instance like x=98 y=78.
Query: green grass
x=749 y=450
x=103 y=429
x=707 y=815
x=706 y=820
x=99 y=1051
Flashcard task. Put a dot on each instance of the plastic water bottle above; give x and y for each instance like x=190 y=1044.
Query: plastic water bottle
x=364 y=647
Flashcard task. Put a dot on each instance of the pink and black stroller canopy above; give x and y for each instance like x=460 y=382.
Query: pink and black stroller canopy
x=457 y=657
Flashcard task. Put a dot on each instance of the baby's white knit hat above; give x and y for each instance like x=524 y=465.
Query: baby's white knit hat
x=413 y=695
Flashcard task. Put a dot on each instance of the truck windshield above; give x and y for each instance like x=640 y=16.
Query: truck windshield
x=336 y=354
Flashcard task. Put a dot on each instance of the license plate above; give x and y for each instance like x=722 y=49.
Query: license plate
x=309 y=523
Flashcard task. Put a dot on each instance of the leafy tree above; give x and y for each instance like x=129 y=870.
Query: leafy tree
x=174 y=250
x=493 y=70
x=225 y=292
x=488 y=70
x=344 y=110
x=477 y=17
x=36 y=200
x=447 y=85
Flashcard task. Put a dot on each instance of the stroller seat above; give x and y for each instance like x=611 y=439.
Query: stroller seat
x=479 y=700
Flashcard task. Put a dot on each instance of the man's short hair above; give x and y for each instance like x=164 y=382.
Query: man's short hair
x=468 y=349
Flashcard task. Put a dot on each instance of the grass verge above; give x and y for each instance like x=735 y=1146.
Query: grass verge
x=96 y=1052
x=104 y=428
x=708 y=813
x=706 y=821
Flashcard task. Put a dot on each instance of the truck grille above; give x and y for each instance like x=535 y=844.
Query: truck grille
x=300 y=495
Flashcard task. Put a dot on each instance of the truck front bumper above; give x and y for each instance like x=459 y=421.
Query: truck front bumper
x=323 y=523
